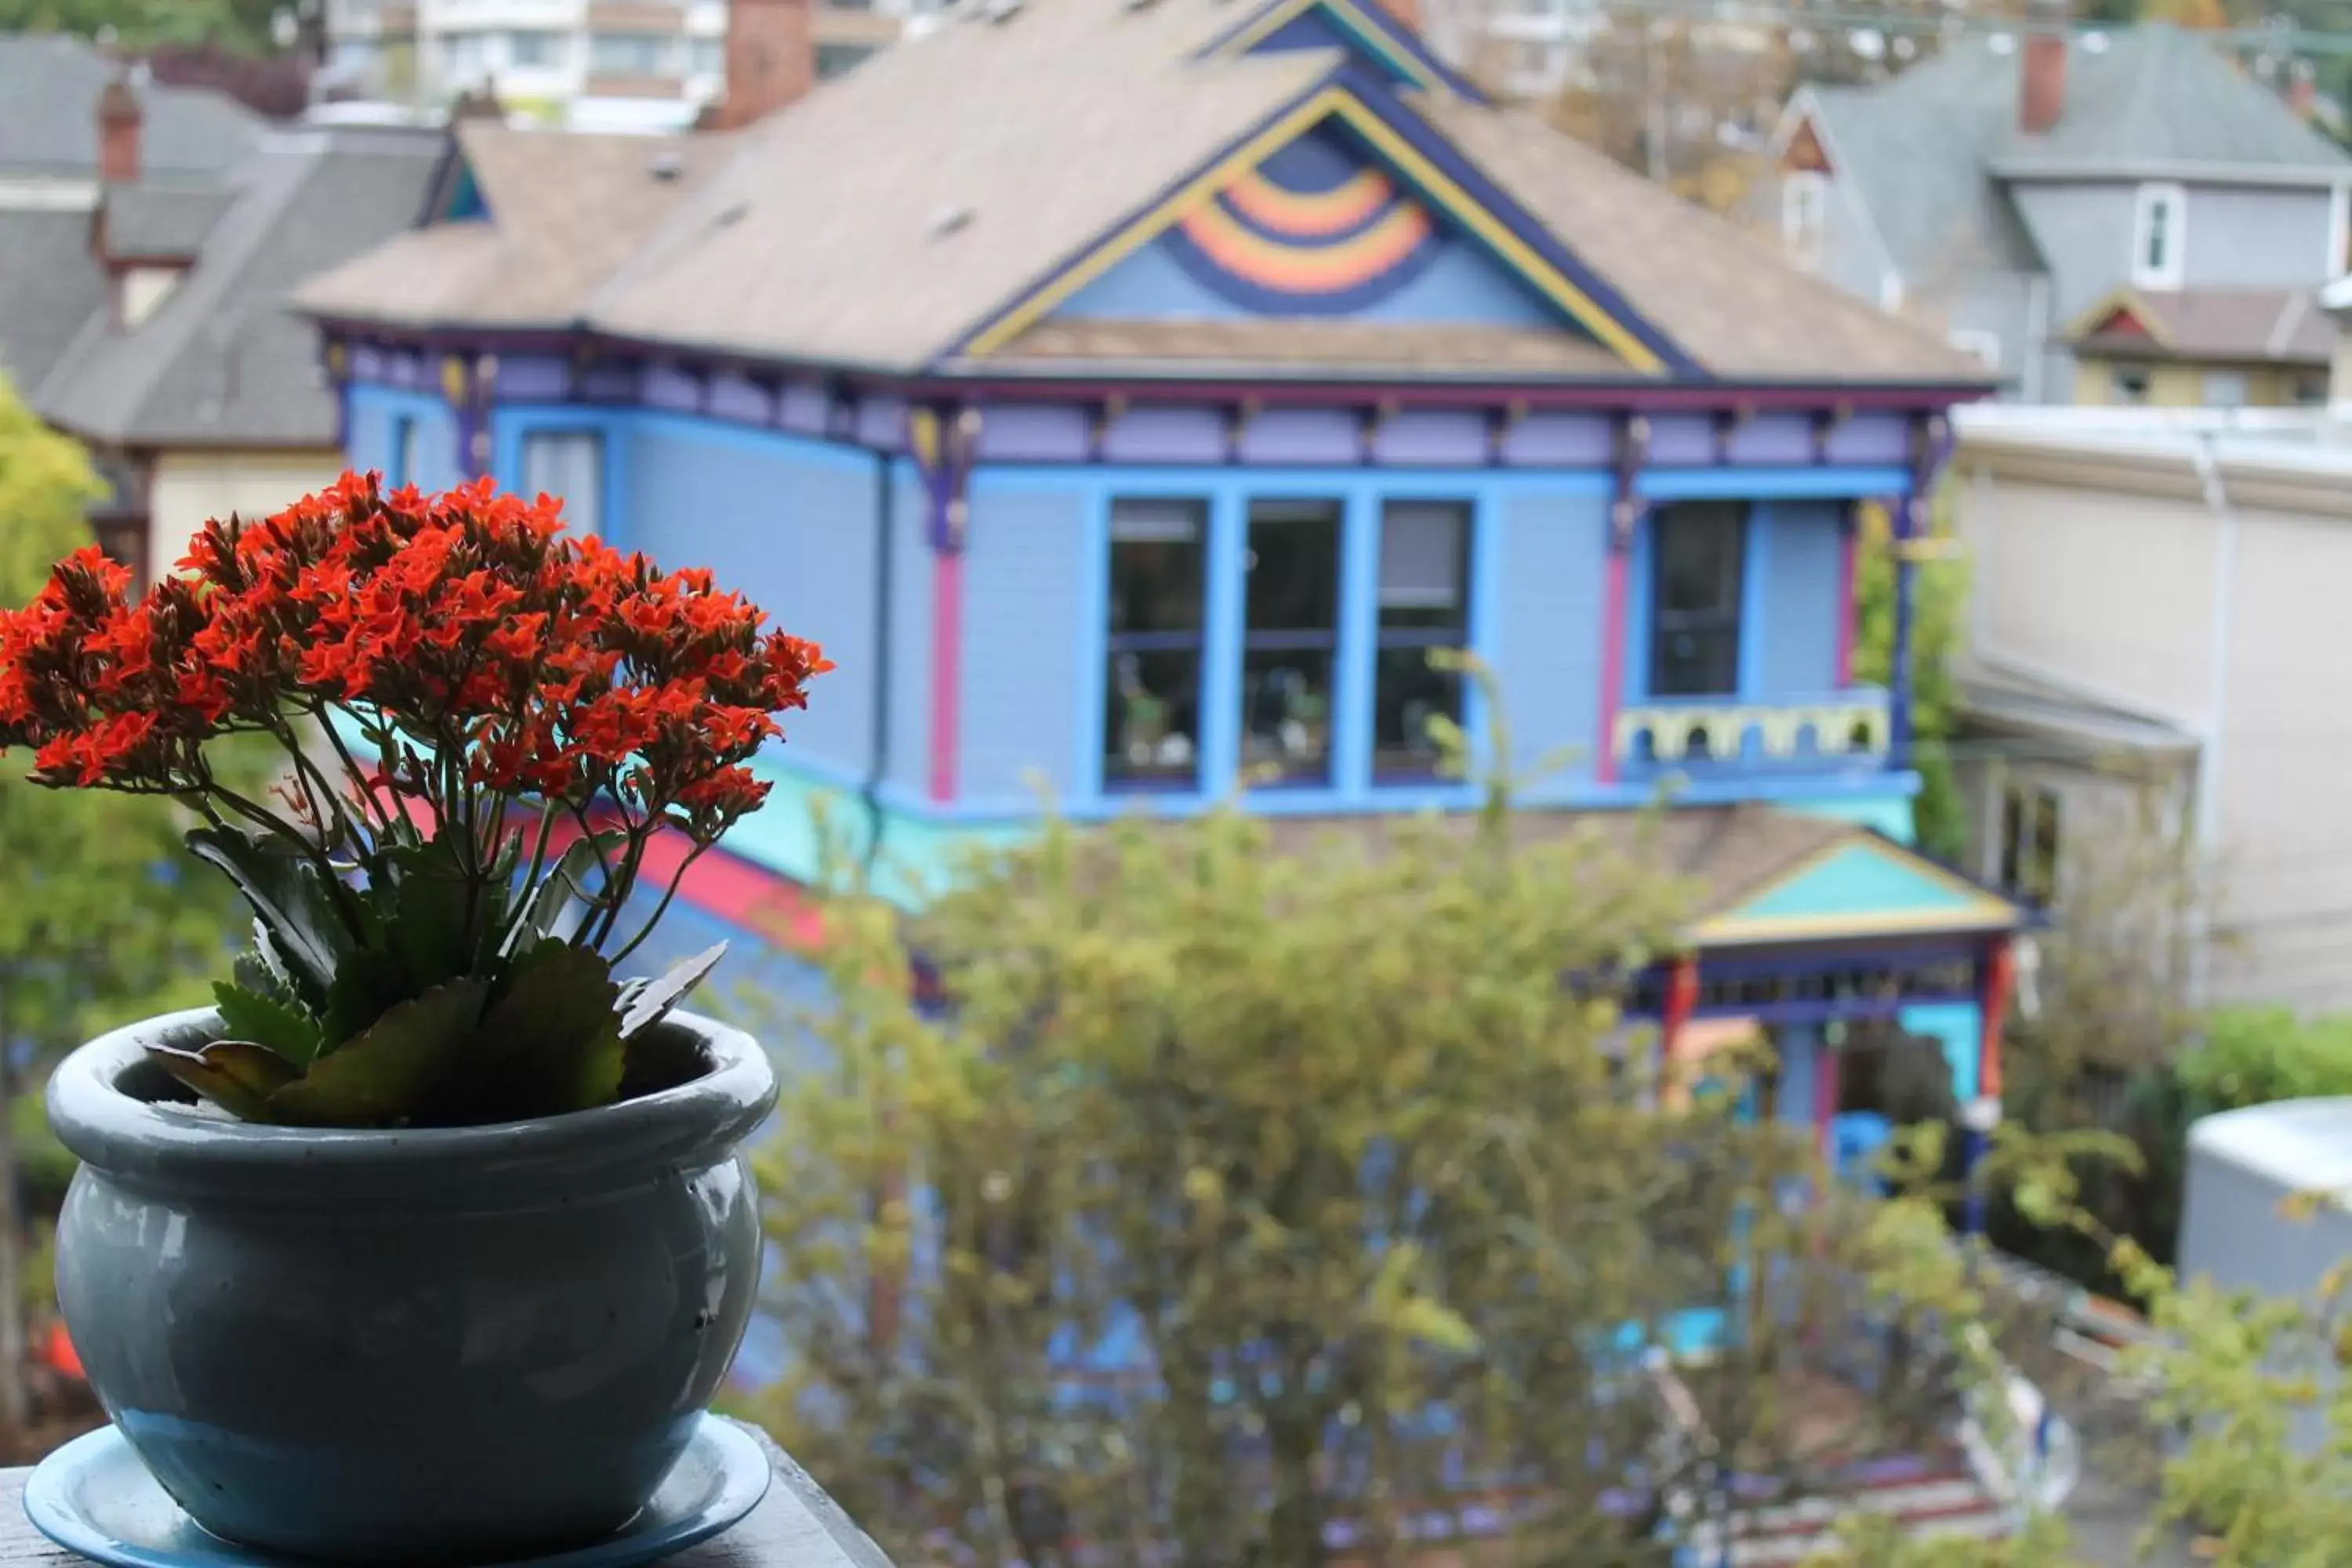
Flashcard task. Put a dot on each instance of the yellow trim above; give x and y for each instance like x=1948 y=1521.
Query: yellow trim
x=1983 y=910
x=1282 y=15
x=1433 y=182
x=2120 y=299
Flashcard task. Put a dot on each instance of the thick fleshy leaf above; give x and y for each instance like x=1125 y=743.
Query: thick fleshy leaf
x=266 y=1020
x=549 y=1045
x=424 y=902
x=238 y=1076
x=292 y=899
x=380 y=1077
x=651 y=1003
x=562 y=886
x=370 y=983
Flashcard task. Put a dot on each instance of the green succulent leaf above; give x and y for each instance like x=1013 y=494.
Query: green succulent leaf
x=550 y=1044
x=384 y=1074
x=369 y=984
x=649 y=1003
x=566 y=881
x=284 y=1028
x=238 y=1076
x=423 y=896
x=293 y=901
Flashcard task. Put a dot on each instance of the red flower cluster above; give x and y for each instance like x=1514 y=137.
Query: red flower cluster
x=492 y=653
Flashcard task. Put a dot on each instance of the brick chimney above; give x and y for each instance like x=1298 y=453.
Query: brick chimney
x=119 y=118
x=1405 y=11
x=2301 y=89
x=2042 y=81
x=771 y=60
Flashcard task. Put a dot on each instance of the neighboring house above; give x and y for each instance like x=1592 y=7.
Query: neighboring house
x=144 y=270
x=2015 y=193
x=2156 y=607
x=1130 y=396
x=595 y=63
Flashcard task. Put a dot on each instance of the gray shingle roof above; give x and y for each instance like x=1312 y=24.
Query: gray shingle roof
x=225 y=360
x=49 y=113
x=1922 y=149
x=48 y=286
x=883 y=219
x=2280 y=326
x=153 y=222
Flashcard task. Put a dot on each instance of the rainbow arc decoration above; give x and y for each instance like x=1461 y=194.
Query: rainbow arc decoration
x=1281 y=239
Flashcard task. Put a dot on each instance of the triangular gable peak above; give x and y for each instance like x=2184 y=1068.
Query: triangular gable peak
x=1804 y=151
x=1861 y=887
x=455 y=195
x=1337 y=209
x=1363 y=29
x=2121 y=316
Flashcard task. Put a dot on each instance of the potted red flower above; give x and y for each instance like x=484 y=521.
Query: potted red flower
x=432 y=1239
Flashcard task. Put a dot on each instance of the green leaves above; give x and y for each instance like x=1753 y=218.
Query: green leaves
x=390 y=1069
x=236 y=1075
x=267 y=1021
x=290 y=898
x=650 y=1002
x=551 y=1044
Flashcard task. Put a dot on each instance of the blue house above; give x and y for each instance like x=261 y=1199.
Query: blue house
x=1130 y=396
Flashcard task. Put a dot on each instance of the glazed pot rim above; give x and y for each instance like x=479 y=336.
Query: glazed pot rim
x=172 y=1146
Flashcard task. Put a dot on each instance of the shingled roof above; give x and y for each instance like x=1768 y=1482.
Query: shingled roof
x=883 y=220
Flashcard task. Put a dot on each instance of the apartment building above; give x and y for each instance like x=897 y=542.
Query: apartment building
x=605 y=65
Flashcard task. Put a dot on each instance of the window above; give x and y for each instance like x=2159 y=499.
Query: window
x=1804 y=212
x=407 y=453
x=1425 y=603
x=2225 y=389
x=2029 y=841
x=570 y=466
x=2159 y=217
x=464 y=56
x=1151 y=719
x=833 y=60
x=2129 y=383
x=534 y=50
x=2311 y=389
x=709 y=55
x=629 y=54
x=1695 y=619
x=1291 y=629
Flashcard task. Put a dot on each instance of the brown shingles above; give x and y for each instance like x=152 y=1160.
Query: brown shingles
x=2275 y=326
x=1199 y=345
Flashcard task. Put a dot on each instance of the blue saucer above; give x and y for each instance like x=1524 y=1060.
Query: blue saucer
x=94 y=1496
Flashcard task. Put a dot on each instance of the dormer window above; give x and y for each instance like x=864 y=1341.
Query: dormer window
x=1804 y=213
x=140 y=292
x=2160 y=225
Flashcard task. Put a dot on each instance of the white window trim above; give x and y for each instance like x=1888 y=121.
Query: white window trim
x=2144 y=202
x=1805 y=192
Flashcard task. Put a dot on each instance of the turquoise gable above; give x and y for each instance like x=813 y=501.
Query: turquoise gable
x=1321 y=227
x=1857 y=878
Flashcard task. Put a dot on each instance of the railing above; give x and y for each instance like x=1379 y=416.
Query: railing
x=1846 y=730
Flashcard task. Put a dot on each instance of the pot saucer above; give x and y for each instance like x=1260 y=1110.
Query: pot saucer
x=94 y=1496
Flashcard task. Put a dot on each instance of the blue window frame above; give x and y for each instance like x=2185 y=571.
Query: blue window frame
x=1697 y=571
x=570 y=466
x=1290 y=638
x=1424 y=604
x=1157 y=606
x=404 y=451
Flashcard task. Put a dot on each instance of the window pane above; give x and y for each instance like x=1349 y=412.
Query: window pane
x=1695 y=630
x=1156 y=565
x=1424 y=564
x=1286 y=714
x=1294 y=566
x=406 y=456
x=568 y=464
x=1152 y=718
x=1407 y=694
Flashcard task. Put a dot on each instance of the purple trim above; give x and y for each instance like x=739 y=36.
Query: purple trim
x=407 y=370
x=1036 y=432
x=803 y=408
x=1456 y=438
x=1302 y=436
x=880 y=421
x=1560 y=440
x=1682 y=441
x=1867 y=439
x=666 y=386
x=1165 y=435
x=367 y=363
x=611 y=384
x=740 y=398
x=1771 y=438
x=533 y=378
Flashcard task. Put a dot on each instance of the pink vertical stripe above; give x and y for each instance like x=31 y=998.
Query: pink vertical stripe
x=946 y=669
x=1847 y=537
x=1825 y=1089
x=1613 y=664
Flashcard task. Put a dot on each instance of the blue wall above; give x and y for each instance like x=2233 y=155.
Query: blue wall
x=1552 y=563
x=1024 y=555
x=791 y=524
x=910 y=637
x=375 y=415
x=1802 y=543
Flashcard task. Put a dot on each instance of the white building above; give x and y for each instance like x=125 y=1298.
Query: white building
x=601 y=64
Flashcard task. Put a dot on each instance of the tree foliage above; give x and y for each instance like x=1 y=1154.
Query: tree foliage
x=1939 y=600
x=147 y=24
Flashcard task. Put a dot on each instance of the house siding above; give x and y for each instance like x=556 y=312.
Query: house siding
x=911 y=613
x=791 y=525
x=190 y=487
x=1801 y=598
x=1018 y=724
x=1551 y=571
x=2244 y=237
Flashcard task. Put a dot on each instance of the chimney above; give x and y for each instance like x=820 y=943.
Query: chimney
x=1407 y=12
x=119 y=118
x=2301 y=89
x=771 y=60
x=2041 y=84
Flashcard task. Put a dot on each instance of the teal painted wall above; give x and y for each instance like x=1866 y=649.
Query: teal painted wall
x=1856 y=880
x=1960 y=1026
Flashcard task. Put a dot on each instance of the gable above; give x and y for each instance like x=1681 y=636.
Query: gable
x=1804 y=153
x=2121 y=315
x=1361 y=29
x=1345 y=205
x=1320 y=227
x=1861 y=887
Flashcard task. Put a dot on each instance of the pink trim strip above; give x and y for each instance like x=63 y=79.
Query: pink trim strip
x=946 y=669
x=1825 y=1089
x=1613 y=664
x=1848 y=538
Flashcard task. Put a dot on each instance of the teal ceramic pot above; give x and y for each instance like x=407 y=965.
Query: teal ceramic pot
x=453 y=1346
